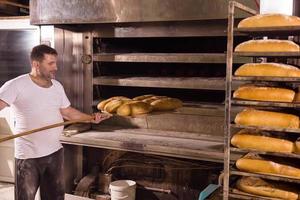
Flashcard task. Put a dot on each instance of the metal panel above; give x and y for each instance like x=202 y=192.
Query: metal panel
x=110 y=11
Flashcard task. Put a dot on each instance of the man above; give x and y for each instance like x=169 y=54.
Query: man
x=37 y=100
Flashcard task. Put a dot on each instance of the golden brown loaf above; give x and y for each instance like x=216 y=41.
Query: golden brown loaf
x=134 y=108
x=252 y=117
x=269 y=20
x=267 y=69
x=102 y=104
x=297 y=97
x=149 y=100
x=258 y=186
x=142 y=97
x=246 y=139
x=297 y=146
x=259 y=93
x=113 y=105
x=166 y=104
x=258 y=165
x=270 y=45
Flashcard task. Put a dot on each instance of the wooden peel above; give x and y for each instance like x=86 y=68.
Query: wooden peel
x=45 y=128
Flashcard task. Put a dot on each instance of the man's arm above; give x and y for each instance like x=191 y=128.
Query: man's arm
x=3 y=104
x=71 y=113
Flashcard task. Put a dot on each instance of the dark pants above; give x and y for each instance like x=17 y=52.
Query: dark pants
x=45 y=172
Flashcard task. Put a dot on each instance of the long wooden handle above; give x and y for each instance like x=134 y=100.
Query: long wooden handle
x=45 y=128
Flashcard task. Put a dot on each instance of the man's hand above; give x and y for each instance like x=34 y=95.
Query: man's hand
x=98 y=117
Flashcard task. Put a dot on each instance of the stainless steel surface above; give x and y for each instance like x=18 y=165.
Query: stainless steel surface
x=282 y=31
x=168 y=58
x=110 y=11
x=266 y=104
x=269 y=54
x=265 y=78
x=136 y=141
x=69 y=46
x=87 y=73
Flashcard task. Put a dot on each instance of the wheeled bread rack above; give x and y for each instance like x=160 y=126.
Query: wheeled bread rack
x=230 y=128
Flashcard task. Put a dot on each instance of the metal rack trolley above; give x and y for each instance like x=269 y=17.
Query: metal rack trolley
x=279 y=31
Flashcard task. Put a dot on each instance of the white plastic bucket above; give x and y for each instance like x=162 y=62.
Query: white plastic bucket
x=122 y=190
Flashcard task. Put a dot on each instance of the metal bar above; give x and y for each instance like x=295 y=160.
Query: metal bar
x=266 y=128
x=290 y=155
x=229 y=61
x=87 y=62
x=265 y=78
x=14 y=4
x=265 y=103
x=244 y=8
x=269 y=54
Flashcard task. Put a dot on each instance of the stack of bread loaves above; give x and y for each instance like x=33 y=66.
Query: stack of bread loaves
x=124 y=106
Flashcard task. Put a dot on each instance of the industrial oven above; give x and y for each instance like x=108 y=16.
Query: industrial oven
x=135 y=47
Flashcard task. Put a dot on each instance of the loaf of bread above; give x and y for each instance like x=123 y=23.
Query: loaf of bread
x=246 y=139
x=270 y=45
x=259 y=165
x=113 y=105
x=134 y=108
x=267 y=69
x=258 y=186
x=142 y=97
x=269 y=20
x=166 y=104
x=253 y=117
x=259 y=93
x=149 y=100
x=297 y=146
x=102 y=104
x=297 y=98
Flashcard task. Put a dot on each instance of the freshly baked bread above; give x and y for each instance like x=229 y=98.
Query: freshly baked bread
x=102 y=104
x=149 y=100
x=267 y=69
x=269 y=20
x=142 y=97
x=259 y=93
x=259 y=165
x=113 y=105
x=166 y=104
x=297 y=146
x=270 y=45
x=258 y=186
x=246 y=139
x=297 y=98
x=252 y=117
x=134 y=108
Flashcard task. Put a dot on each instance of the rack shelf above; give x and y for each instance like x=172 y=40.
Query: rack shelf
x=266 y=176
x=265 y=78
x=163 y=82
x=266 y=128
x=269 y=54
x=262 y=31
x=245 y=151
x=167 y=57
x=265 y=103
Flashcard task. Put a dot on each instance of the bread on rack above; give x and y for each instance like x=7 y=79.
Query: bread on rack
x=102 y=104
x=133 y=108
x=142 y=97
x=297 y=146
x=255 y=164
x=153 y=98
x=249 y=139
x=113 y=105
x=253 y=117
x=267 y=69
x=269 y=20
x=260 y=93
x=166 y=104
x=270 y=45
x=258 y=186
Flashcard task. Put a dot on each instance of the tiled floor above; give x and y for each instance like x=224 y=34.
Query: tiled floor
x=7 y=193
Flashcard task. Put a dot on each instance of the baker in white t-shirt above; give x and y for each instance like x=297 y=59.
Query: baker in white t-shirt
x=38 y=100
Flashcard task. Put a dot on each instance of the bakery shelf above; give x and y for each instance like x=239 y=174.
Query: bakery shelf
x=266 y=128
x=289 y=155
x=163 y=82
x=266 y=176
x=268 y=54
x=167 y=57
x=265 y=103
x=270 y=31
x=265 y=78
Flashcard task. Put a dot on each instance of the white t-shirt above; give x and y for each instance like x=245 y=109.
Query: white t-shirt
x=34 y=107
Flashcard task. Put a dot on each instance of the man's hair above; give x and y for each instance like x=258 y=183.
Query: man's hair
x=39 y=51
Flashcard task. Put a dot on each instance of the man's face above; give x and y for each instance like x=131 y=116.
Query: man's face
x=48 y=67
